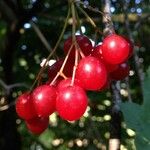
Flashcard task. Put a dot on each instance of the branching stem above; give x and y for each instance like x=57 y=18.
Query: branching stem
x=60 y=72
x=90 y=20
x=53 y=51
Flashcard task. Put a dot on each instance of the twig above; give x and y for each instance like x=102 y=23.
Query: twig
x=74 y=40
x=128 y=89
x=90 y=20
x=93 y=9
x=9 y=15
x=41 y=36
x=3 y=84
x=119 y=17
x=142 y=19
x=137 y=64
x=109 y=28
x=18 y=85
x=115 y=124
x=8 y=88
x=7 y=106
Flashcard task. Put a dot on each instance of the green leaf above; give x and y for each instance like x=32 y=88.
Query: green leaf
x=137 y=117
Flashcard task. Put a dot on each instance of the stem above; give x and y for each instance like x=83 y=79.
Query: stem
x=53 y=51
x=75 y=66
x=95 y=10
x=60 y=72
x=73 y=44
x=78 y=22
x=74 y=22
x=41 y=36
x=76 y=45
x=81 y=53
x=90 y=20
x=115 y=124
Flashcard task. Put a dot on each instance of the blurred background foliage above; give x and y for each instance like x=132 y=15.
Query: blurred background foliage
x=22 y=51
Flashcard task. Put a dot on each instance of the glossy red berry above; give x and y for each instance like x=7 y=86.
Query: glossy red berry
x=92 y=73
x=110 y=67
x=24 y=106
x=71 y=103
x=83 y=42
x=67 y=82
x=53 y=69
x=97 y=52
x=37 y=125
x=106 y=86
x=44 y=99
x=121 y=72
x=130 y=46
x=115 y=49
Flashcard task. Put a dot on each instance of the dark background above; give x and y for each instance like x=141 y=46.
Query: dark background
x=22 y=50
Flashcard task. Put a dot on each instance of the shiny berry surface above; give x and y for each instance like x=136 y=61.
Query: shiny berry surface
x=83 y=42
x=92 y=73
x=37 y=125
x=67 y=82
x=130 y=46
x=71 y=103
x=97 y=52
x=121 y=72
x=115 y=49
x=110 y=67
x=106 y=86
x=44 y=99
x=24 y=106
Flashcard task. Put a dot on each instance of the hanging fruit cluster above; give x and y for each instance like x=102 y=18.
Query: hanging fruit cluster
x=85 y=68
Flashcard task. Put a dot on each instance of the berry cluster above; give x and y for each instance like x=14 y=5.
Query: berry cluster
x=96 y=68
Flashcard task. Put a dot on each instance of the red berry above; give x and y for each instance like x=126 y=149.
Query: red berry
x=83 y=42
x=71 y=102
x=66 y=82
x=97 y=52
x=24 y=107
x=92 y=73
x=106 y=85
x=130 y=45
x=110 y=67
x=115 y=49
x=37 y=125
x=52 y=70
x=44 y=99
x=121 y=72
